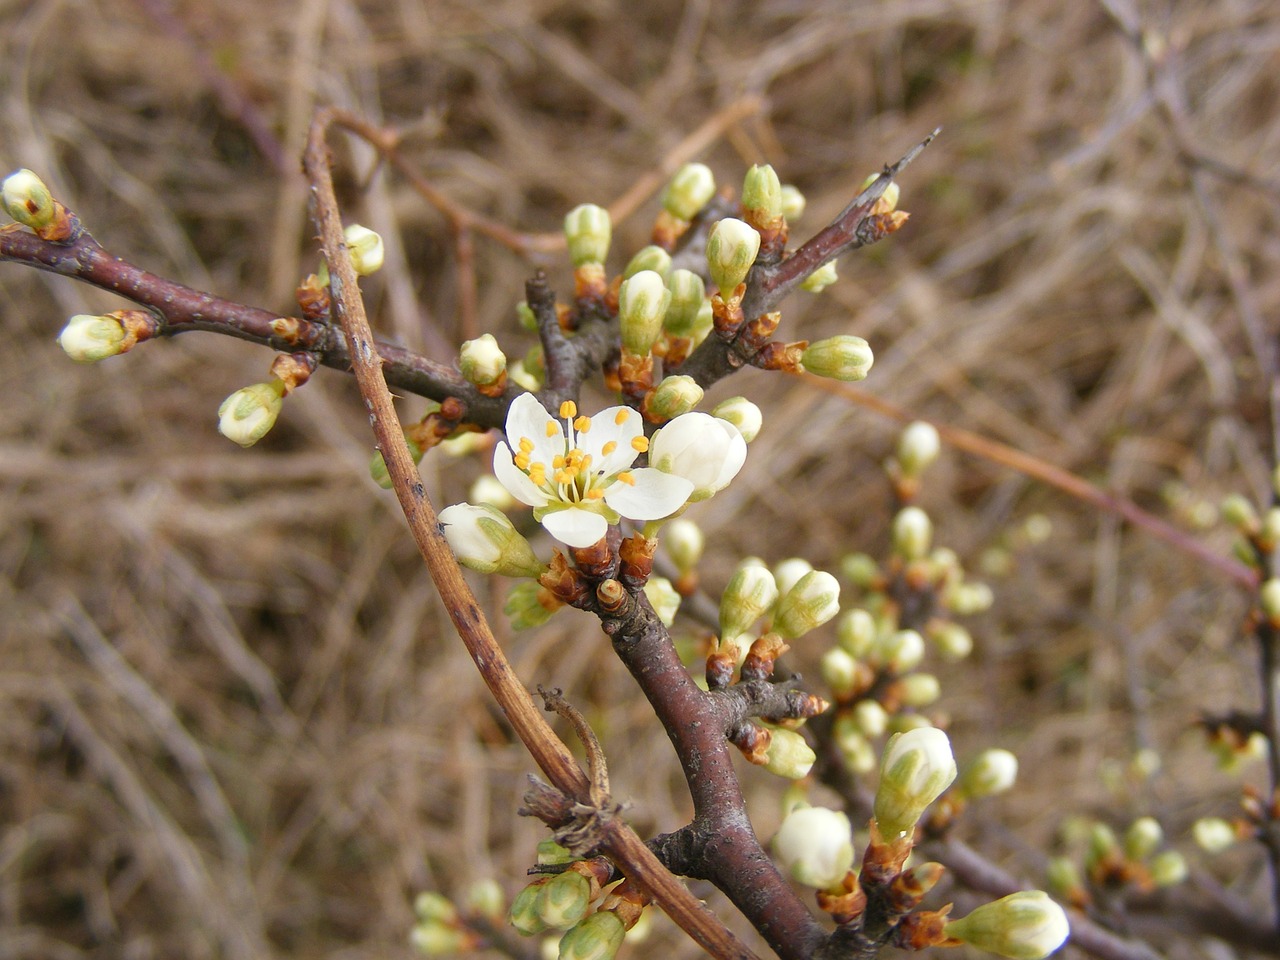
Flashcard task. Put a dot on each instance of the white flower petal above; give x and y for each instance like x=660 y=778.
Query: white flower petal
x=514 y=479
x=703 y=449
x=529 y=418
x=605 y=429
x=575 y=527
x=654 y=495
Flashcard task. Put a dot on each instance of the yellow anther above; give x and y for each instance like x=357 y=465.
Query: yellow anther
x=526 y=445
x=582 y=424
x=621 y=416
x=626 y=477
x=564 y=477
x=640 y=444
x=538 y=473
x=584 y=463
x=558 y=463
x=609 y=447
x=568 y=410
x=522 y=461
x=553 y=428
x=595 y=493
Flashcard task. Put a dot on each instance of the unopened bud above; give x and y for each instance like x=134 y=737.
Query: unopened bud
x=485 y=898
x=365 y=249
x=649 y=258
x=917 y=766
x=731 y=250
x=525 y=316
x=484 y=539
x=861 y=569
x=920 y=690
x=1269 y=598
x=814 y=846
x=588 y=230
x=523 y=914
x=751 y=591
x=844 y=357
x=813 y=601
x=788 y=572
x=856 y=633
x=912 y=533
x=1063 y=878
x=689 y=191
x=1239 y=512
x=992 y=771
x=793 y=202
x=855 y=749
x=899 y=651
x=743 y=414
x=918 y=447
x=564 y=901
x=762 y=196
x=788 y=755
x=1102 y=845
x=1213 y=834
x=688 y=293
x=684 y=542
x=87 y=338
x=663 y=598
x=1168 y=868
x=1023 y=926
x=482 y=361
x=888 y=201
x=642 y=305
x=598 y=937
x=436 y=939
x=968 y=599
x=953 y=641
x=529 y=604
x=430 y=905
x=672 y=397
x=27 y=200
x=871 y=718
x=1142 y=838
x=248 y=415
x=821 y=278
x=840 y=671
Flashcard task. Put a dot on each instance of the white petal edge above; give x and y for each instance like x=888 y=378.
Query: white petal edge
x=604 y=428
x=654 y=495
x=514 y=479
x=528 y=418
x=575 y=527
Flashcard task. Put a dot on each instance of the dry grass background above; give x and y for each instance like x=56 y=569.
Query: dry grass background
x=236 y=723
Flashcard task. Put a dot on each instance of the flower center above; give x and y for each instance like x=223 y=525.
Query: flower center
x=570 y=477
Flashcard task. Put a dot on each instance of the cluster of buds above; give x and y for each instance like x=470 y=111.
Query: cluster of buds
x=1215 y=834
x=444 y=929
x=1114 y=866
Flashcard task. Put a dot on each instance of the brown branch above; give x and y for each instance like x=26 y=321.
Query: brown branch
x=551 y=755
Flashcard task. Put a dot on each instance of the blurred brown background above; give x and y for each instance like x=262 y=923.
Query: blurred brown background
x=236 y=723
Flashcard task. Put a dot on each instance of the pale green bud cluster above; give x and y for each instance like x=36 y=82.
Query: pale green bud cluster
x=598 y=937
x=482 y=361
x=642 y=306
x=916 y=768
x=814 y=846
x=846 y=358
x=743 y=414
x=689 y=191
x=484 y=539
x=731 y=250
x=1022 y=926
x=751 y=592
x=564 y=900
x=248 y=415
x=788 y=755
x=365 y=248
x=27 y=200
x=588 y=230
x=809 y=603
x=87 y=338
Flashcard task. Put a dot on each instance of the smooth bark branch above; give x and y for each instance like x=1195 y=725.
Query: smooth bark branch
x=551 y=755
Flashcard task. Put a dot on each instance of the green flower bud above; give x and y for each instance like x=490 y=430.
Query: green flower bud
x=762 y=195
x=88 y=339
x=1063 y=877
x=429 y=905
x=920 y=690
x=689 y=191
x=1142 y=838
x=953 y=641
x=840 y=671
x=551 y=853
x=1168 y=868
x=565 y=900
x=792 y=202
x=750 y=593
x=1022 y=926
x=365 y=249
x=1269 y=598
x=871 y=718
x=900 y=651
x=486 y=899
x=814 y=846
x=674 y=396
x=488 y=489
x=1102 y=845
x=968 y=599
x=248 y=415
x=1239 y=512
x=861 y=569
x=788 y=572
x=663 y=598
x=912 y=533
x=813 y=601
x=484 y=539
x=588 y=229
x=525 y=606
x=856 y=633
x=684 y=542
x=992 y=771
x=688 y=294
x=642 y=305
x=525 y=316
x=917 y=766
x=731 y=250
x=595 y=938
x=1213 y=834
x=821 y=278
x=378 y=465
x=27 y=200
x=649 y=258
x=845 y=358
x=788 y=755
x=521 y=374
x=918 y=447
x=523 y=914
x=888 y=199
x=855 y=749
x=435 y=939
x=743 y=414
x=482 y=361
